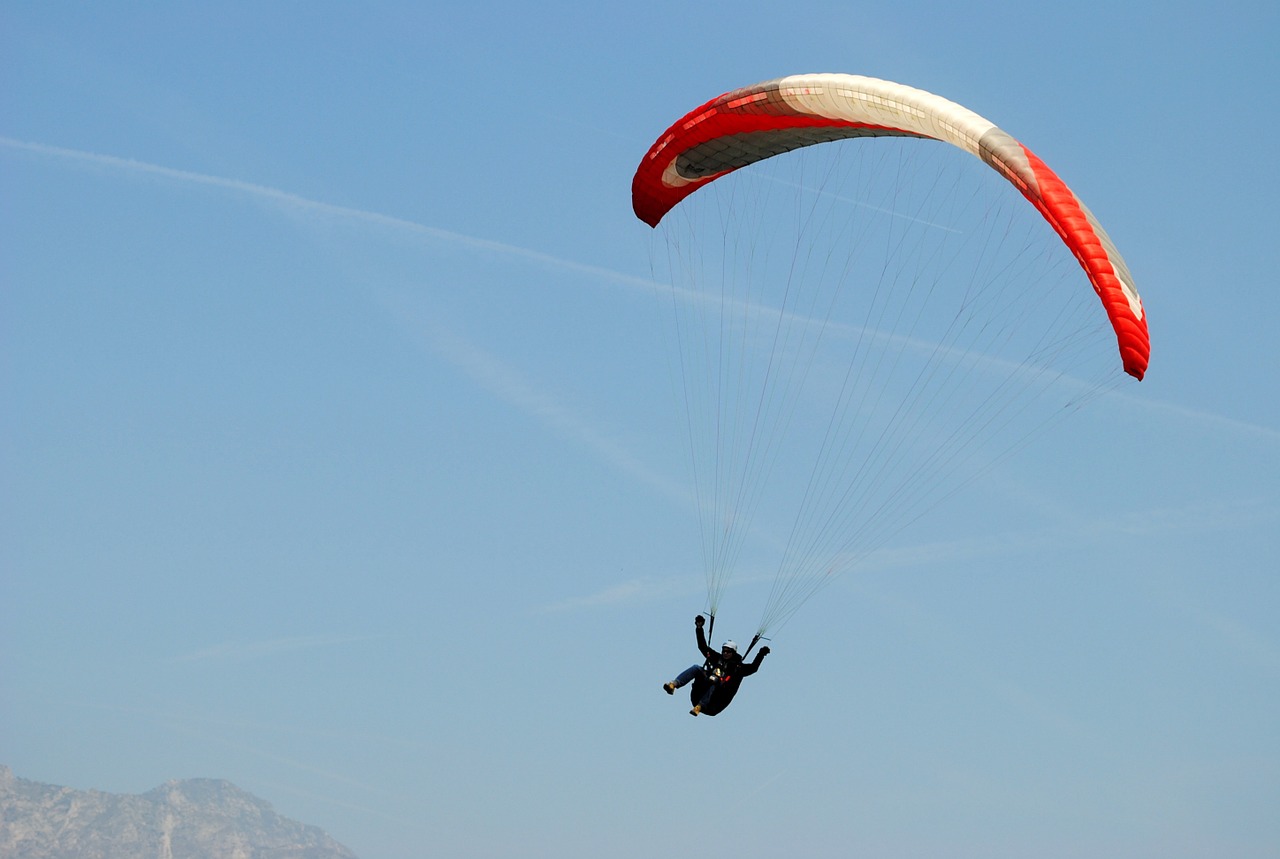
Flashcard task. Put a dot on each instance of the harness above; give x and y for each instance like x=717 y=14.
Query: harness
x=714 y=668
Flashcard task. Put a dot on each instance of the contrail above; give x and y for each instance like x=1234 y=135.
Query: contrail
x=486 y=370
x=506 y=383
x=307 y=206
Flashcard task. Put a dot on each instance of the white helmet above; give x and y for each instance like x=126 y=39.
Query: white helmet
x=730 y=645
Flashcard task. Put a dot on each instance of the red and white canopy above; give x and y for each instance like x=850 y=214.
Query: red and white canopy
x=769 y=118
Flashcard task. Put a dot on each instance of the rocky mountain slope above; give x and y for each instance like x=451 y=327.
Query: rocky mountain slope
x=195 y=819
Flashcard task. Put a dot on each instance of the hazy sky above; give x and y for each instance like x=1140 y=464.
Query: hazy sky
x=338 y=458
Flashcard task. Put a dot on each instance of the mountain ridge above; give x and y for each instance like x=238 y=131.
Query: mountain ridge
x=199 y=818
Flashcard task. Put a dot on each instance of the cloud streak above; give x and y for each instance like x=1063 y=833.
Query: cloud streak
x=493 y=375
x=628 y=593
x=1079 y=532
x=304 y=206
x=512 y=387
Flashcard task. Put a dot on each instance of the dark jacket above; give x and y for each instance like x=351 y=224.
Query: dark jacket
x=721 y=676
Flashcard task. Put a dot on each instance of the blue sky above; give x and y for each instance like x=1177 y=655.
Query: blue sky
x=338 y=452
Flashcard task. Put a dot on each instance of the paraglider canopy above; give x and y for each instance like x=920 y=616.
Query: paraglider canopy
x=866 y=320
x=756 y=122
